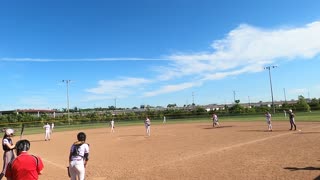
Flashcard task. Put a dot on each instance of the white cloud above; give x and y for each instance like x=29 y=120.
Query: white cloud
x=98 y=97
x=117 y=87
x=248 y=49
x=172 y=88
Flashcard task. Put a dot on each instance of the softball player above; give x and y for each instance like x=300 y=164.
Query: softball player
x=268 y=119
x=112 y=125
x=52 y=126
x=164 y=119
x=47 y=133
x=215 y=120
x=292 y=121
x=78 y=157
x=7 y=146
x=147 y=124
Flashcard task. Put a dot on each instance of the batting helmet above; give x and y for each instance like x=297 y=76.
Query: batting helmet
x=22 y=145
x=9 y=132
x=81 y=136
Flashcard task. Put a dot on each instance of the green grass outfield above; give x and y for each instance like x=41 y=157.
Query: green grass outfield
x=300 y=116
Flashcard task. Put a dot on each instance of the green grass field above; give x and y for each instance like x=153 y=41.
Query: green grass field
x=300 y=117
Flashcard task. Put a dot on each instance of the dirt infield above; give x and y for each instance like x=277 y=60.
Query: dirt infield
x=189 y=151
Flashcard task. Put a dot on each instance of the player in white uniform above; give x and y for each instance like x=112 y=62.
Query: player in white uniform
x=268 y=119
x=47 y=132
x=78 y=157
x=52 y=126
x=164 y=119
x=112 y=125
x=215 y=120
x=147 y=124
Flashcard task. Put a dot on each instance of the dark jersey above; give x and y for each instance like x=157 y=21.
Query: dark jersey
x=291 y=115
x=5 y=147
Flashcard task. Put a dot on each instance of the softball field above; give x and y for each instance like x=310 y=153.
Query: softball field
x=236 y=150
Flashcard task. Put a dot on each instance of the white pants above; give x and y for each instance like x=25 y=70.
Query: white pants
x=269 y=124
x=148 y=130
x=47 y=136
x=77 y=170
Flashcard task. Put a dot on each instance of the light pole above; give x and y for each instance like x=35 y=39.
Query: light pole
x=284 y=92
x=67 y=82
x=269 y=69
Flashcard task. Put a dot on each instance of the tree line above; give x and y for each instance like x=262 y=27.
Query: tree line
x=98 y=115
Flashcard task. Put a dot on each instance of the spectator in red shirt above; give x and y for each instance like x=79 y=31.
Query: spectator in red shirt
x=25 y=166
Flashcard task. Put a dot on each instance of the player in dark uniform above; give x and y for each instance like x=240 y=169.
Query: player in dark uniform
x=292 y=121
x=7 y=146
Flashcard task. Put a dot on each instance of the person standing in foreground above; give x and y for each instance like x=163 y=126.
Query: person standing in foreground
x=164 y=119
x=25 y=166
x=78 y=157
x=47 y=132
x=292 y=121
x=7 y=146
x=147 y=124
x=268 y=119
x=215 y=120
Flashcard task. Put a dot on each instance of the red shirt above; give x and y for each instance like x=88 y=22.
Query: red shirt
x=24 y=167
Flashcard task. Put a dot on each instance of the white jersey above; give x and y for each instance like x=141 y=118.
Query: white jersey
x=83 y=149
x=47 y=127
x=215 y=118
x=147 y=122
x=112 y=123
x=5 y=141
x=268 y=117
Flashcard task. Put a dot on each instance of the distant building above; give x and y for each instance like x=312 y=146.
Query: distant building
x=212 y=107
x=36 y=112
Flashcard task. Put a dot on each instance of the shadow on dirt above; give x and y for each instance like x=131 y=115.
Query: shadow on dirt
x=299 y=132
x=133 y=135
x=255 y=130
x=218 y=127
x=37 y=140
x=309 y=168
x=317 y=178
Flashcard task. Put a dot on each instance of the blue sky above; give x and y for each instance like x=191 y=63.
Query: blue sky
x=156 y=52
